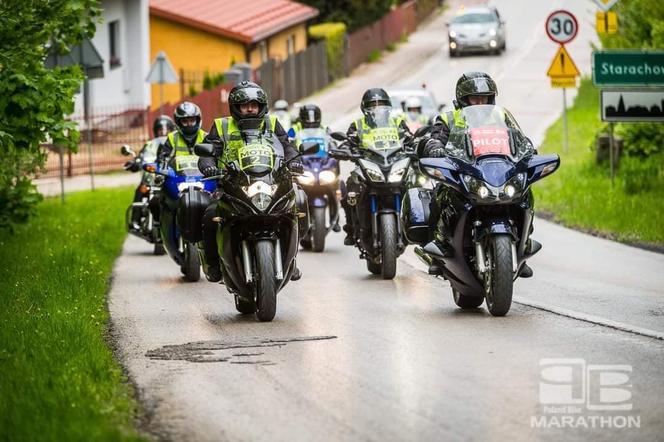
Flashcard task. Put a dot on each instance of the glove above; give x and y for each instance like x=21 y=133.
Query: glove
x=210 y=171
x=434 y=149
x=296 y=167
x=131 y=166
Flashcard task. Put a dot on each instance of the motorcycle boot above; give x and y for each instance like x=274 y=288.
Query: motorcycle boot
x=211 y=267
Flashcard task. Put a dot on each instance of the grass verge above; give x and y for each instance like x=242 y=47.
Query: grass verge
x=580 y=194
x=58 y=378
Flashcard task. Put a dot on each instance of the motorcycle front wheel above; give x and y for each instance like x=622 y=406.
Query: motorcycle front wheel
x=388 y=241
x=266 y=284
x=191 y=268
x=319 y=230
x=499 y=279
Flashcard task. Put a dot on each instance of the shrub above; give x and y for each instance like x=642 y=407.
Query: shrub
x=335 y=36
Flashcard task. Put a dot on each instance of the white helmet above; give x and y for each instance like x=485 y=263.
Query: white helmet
x=413 y=103
x=281 y=105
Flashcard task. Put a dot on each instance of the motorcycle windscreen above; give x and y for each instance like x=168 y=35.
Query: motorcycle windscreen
x=318 y=136
x=185 y=165
x=383 y=137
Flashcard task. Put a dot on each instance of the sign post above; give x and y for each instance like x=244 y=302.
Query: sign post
x=562 y=27
x=161 y=72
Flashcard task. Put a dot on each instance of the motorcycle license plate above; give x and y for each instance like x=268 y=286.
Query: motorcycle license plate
x=385 y=137
x=256 y=155
x=186 y=162
x=490 y=140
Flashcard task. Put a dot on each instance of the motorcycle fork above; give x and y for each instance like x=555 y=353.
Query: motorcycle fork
x=247 y=262
x=374 y=220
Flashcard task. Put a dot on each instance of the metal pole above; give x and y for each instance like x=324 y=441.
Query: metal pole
x=611 y=153
x=86 y=116
x=62 y=174
x=565 y=120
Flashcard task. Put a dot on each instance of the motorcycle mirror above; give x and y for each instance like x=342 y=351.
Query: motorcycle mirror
x=204 y=150
x=441 y=107
x=309 y=148
x=339 y=136
x=126 y=150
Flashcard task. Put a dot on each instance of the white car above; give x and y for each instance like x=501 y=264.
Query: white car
x=398 y=96
x=477 y=29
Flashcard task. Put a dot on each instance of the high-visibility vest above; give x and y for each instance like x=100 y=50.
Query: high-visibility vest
x=378 y=137
x=180 y=145
x=229 y=131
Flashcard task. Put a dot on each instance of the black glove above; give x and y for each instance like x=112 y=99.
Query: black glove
x=296 y=167
x=210 y=171
x=131 y=166
x=434 y=149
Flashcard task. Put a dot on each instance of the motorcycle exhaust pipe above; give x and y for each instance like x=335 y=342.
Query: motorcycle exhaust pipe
x=480 y=258
x=246 y=262
x=278 y=264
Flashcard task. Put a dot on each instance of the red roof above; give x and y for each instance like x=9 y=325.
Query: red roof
x=248 y=21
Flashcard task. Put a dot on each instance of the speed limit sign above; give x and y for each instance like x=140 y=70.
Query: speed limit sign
x=561 y=26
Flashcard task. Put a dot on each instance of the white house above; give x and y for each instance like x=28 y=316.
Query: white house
x=123 y=42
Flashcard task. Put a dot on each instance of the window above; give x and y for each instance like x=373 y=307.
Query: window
x=262 y=48
x=114 y=43
x=290 y=45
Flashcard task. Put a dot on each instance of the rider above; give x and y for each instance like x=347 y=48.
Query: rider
x=282 y=114
x=181 y=141
x=414 y=116
x=248 y=108
x=161 y=126
x=308 y=118
x=376 y=107
x=472 y=89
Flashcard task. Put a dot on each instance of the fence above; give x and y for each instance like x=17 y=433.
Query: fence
x=110 y=128
x=299 y=75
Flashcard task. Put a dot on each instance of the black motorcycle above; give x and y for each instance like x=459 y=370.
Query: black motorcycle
x=259 y=222
x=320 y=181
x=484 y=200
x=149 y=188
x=383 y=174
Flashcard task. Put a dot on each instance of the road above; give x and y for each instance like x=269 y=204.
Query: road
x=352 y=357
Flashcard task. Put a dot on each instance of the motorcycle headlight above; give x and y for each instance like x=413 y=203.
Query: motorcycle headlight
x=259 y=187
x=478 y=187
x=306 y=179
x=398 y=171
x=514 y=185
x=261 y=201
x=373 y=171
x=327 y=177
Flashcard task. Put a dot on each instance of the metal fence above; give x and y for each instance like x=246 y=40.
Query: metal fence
x=298 y=76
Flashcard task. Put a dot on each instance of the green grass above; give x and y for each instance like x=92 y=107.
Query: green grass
x=58 y=378
x=580 y=194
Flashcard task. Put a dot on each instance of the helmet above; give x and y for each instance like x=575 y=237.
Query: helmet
x=184 y=110
x=245 y=92
x=310 y=116
x=413 y=103
x=281 y=105
x=374 y=97
x=161 y=123
x=475 y=83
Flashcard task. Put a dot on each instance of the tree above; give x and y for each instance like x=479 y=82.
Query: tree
x=34 y=100
x=353 y=13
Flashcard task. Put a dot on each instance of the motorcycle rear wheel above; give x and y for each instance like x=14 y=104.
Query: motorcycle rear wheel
x=159 y=249
x=465 y=301
x=374 y=268
x=244 y=307
x=266 y=284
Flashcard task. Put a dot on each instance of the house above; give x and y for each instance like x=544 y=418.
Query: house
x=122 y=41
x=201 y=36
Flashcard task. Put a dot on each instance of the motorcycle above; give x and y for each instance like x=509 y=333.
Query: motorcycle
x=383 y=174
x=484 y=198
x=185 y=197
x=149 y=188
x=320 y=181
x=259 y=222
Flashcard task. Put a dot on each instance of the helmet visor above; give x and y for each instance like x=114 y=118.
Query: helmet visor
x=379 y=114
x=477 y=86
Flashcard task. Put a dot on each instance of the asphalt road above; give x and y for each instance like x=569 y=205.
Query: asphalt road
x=352 y=357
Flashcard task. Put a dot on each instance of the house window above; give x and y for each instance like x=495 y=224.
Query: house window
x=262 y=48
x=290 y=45
x=114 y=43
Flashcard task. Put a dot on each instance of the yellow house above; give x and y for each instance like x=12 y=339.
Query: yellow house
x=201 y=36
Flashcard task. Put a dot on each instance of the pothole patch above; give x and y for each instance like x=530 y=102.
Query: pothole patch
x=226 y=351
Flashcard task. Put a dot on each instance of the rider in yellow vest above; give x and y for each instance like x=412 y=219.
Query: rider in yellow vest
x=376 y=107
x=247 y=103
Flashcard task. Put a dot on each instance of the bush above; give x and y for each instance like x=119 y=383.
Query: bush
x=335 y=36
x=374 y=56
x=642 y=139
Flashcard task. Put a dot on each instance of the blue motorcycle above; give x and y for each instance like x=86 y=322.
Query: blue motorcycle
x=185 y=196
x=320 y=181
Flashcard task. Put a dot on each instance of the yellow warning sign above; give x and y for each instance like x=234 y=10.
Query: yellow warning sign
x=563 y=82
x=562 y=65
x=606 y=22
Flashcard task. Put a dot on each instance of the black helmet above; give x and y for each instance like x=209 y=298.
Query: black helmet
x=475 y=83
x=187 y=109
x=310 y=116
x=162 y=122
x=374 y=97
x=245 y=92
